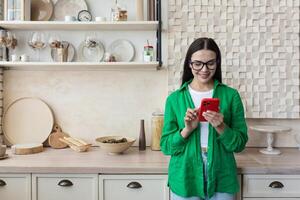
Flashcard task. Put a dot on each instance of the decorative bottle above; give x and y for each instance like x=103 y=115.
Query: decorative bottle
x=142 y=138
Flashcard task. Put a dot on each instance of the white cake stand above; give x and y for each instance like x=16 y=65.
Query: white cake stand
x=269 y=130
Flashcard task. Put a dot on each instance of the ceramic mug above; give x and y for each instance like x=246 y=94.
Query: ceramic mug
x=2 y=150
x=15 y=58
x=24 y=58
x=100 y=19
x=69 y=18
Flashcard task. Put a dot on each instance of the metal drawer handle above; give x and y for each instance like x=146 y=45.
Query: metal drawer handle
x=134 y=185
x=65 y=183
x=276 y=184
x=2 y=183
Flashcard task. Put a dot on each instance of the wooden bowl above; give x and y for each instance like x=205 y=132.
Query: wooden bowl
x=114 y=148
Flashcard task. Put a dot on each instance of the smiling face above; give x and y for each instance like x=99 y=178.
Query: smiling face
x=203 y=66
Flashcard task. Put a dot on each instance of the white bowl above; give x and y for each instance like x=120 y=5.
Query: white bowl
x=115 y=148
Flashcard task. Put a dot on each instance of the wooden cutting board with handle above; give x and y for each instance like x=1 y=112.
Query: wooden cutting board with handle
x=54 y=137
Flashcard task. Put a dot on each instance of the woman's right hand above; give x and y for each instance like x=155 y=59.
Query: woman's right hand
x=191 y=122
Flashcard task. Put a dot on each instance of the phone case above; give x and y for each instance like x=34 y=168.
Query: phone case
x=208 y=104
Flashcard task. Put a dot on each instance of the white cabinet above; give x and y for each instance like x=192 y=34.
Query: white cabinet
x=269 y=198
x=133 y=187
x=271 y=186
x=15 y=186
x=238 y=196
x=64 y=186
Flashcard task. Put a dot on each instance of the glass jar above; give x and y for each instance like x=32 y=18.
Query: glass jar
x=148 y=53
x=123 y=14
x=115 y=11
x=157 y=122
x=118 y=12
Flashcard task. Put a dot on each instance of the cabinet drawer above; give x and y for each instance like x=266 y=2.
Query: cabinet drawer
x=65 y=186
x=260 y=186
x=15 y=186
x=133 y=187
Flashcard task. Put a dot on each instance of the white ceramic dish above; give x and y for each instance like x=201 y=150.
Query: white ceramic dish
x=64 y=8
x=123 y=50
x=41 y=10
x=71 y=53
x=91 y=54
x=27 y=120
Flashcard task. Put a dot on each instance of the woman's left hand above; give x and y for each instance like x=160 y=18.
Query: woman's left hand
x=215 y=119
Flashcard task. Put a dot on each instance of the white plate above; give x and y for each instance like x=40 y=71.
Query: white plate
x=63 y=8
x=92 y=54
x=27 y=120
x=71 y=53
x=123 y=50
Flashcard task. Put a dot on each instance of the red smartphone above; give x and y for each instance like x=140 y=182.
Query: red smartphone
x=208 y=104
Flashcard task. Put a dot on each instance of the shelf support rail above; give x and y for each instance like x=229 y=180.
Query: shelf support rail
x=158 y=33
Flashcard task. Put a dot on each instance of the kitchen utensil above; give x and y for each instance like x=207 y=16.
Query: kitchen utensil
x=23 y=149
x=122 y=49
x=91 y=54
x=41 y=10
x=76 y=144
x=71 y=53
x=53 y=139
x=63 y=8
x=114 y=148
x=27 y=120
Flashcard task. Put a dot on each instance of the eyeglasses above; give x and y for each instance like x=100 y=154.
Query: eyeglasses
x=198 y=65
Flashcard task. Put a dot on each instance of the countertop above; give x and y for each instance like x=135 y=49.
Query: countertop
x=135 y=161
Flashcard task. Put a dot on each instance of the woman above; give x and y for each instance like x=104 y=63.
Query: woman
x=202 y=164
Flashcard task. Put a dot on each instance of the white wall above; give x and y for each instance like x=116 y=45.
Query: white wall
x=92 y=104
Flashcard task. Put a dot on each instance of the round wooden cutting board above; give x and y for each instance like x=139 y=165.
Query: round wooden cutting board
x=23 y=149
x=27 y=120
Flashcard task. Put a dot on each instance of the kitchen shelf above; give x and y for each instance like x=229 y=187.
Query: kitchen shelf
x=61 y=25
x=63 y=66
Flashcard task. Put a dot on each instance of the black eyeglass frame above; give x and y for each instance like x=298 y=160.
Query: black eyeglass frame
x=204 y=63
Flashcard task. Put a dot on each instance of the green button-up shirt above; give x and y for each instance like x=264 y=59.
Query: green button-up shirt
x=186 y=177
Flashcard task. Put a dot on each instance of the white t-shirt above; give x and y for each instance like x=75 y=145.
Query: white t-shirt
x=197 y=98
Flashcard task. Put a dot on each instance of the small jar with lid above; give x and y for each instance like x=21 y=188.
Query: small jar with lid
x=148 y=53
x=157 y=122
